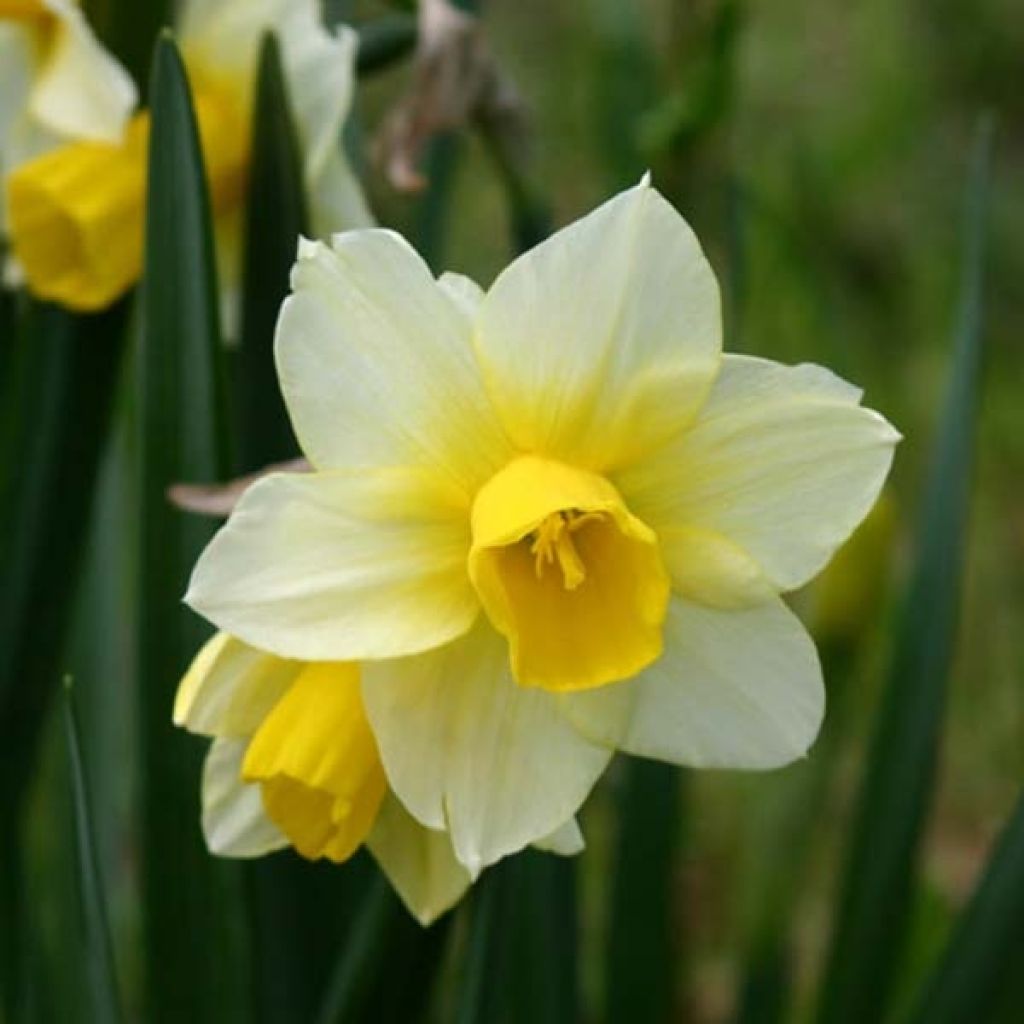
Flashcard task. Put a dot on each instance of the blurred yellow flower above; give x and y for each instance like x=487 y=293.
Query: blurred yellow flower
x=57 y=84
x=549 y=521
x=76 y=213
x=294 y=762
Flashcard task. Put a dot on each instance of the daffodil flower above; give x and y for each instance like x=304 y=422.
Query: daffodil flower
x=57 y=83
x=550 y=521
x=294 y=762
x=76 y=213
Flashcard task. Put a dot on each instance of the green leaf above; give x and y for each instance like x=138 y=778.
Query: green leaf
x=105 y=1003
x=55 y=419
x=987 y=940
x=276 y=215
x=194 y=943
x=642 y=958
x=895 y=795
x=388 y=964
x=385 y=41
x=129 y=28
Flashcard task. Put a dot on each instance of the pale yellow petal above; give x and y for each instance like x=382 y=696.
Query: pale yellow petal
x=376 y=363
x=81 y=91
x=419 y=862
x=603 y=340
x=234 y=821
x=231 y=687
x=781 y=461
x=337 y=566
x=467 y=749
x=566 y=840
x=734 y=689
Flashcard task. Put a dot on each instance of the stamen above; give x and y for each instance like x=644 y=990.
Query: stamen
x=553 y=540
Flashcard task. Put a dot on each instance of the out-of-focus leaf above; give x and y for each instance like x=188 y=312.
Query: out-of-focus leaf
x=54 y=422
x=276 y=215
x=105 y=1003
x=643 y=959
x=194 y=944
x=129 y=28
x=878 y=882
x=388 y=964
x=385 y=41
x=442 y=164
x=987 y=941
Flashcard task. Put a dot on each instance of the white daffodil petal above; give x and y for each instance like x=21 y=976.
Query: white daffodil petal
x=340 y=567
x=566 y=840
x=419 y=862
x=17 y=132
x=466 y=749
x=734 y=689
x=231 y=687
x=376 y=363
x=234 y=821
x=464 y=291
x=781 y=461
x=604 y=339
x=81 y=92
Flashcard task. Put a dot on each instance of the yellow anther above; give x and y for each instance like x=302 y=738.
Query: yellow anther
x=553 y=540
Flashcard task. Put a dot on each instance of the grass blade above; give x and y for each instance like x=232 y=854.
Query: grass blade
x=987 y=940
x=276 y=215
x=194 y=944
x=58 y=400
x=106 y=1005
x=642 y=959
x=895 y=794
x=384 y=42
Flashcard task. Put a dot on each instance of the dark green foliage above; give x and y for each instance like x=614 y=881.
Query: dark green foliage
x=193 y=921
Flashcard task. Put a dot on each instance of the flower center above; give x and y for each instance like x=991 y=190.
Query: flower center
x=552 y=541
x=567 y=574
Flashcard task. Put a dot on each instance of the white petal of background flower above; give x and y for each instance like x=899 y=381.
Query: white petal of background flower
x=781 y=461
x=82 y=92
x=419 y=862
x=734 y=689
x=231 y=687
x=376 y=365
x=604 y=339
x=340 y=567
x=234 y=821
x=566 y=840
x=466 y=749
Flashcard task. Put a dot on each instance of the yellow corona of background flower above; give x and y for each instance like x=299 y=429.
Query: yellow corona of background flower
x=57 y=84
x=549 y=522
x=76 y=213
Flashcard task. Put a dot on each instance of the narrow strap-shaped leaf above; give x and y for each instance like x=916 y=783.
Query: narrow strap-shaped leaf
x=384 y=41
x=129 y=28
x=388 y=964
x=55 y=419
x=105 y=1002
x=194 y=948
x=988 y=939
x=642 y=961
x=276 y=215
x=895 y=795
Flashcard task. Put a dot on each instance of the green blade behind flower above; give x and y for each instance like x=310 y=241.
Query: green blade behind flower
x=194 y=943
x=276 y=215
x=55 y=418
x=129 y=29
x=877 y=888
x=642 y=963
x=105 y=1002
x=987 y=941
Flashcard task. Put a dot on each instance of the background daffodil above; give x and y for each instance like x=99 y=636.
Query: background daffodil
x=57 y=84
x=550 y=521
x=294 y=762
x=76 y=213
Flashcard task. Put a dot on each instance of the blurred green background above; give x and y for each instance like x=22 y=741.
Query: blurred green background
x=821 y=152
